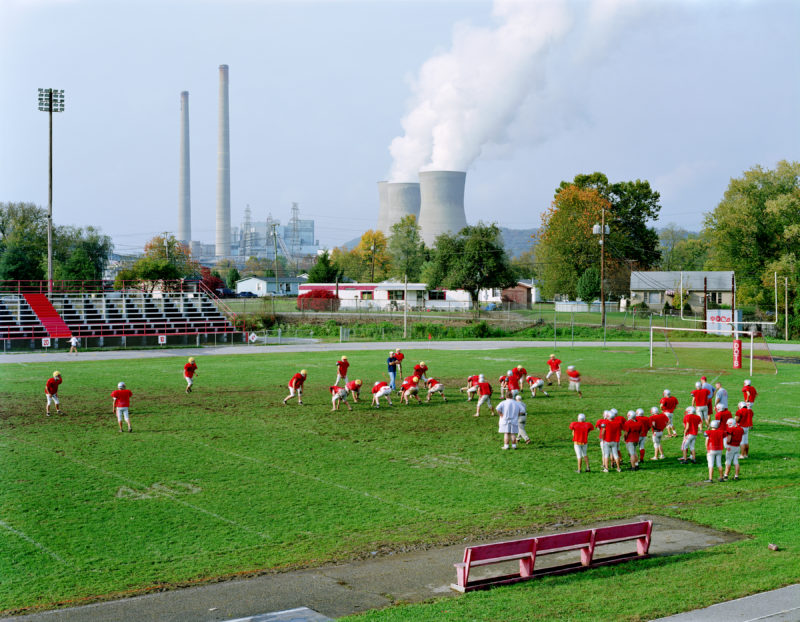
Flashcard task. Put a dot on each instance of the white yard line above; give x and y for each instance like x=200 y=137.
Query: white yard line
x=38 y=545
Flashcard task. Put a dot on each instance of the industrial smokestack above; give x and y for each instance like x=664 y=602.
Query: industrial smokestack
x=184 y=194
x=223 y=246
x=402 y=199
x=442 y=203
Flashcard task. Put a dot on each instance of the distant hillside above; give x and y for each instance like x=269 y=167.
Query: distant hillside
x=516 y=241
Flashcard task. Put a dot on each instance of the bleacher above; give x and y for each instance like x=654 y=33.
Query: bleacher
x=103 y=312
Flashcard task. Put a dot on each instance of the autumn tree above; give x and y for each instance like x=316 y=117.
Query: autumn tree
x=165 y=259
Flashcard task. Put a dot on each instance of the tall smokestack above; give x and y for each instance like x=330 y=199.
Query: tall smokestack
x=223 y=246
x=184 y=193
x=402 y=199
x=383 y=206
x=442 y=203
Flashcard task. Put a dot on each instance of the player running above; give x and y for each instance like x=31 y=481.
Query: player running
x=339 y=397
x=354 y=387
x=51 y=392
x=379 y=390
x=341 y=370
x=189 y=372
x=580 y=440
x=484 y=396
x=534 y=384
x=555 y=368
x=435 y=386
x=749 y=392
x=668 y=405
x=296 y=387
x=574 y=380
x=692 y=424
x=121 y=402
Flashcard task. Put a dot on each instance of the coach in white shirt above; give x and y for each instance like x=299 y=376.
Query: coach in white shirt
x=509 y=410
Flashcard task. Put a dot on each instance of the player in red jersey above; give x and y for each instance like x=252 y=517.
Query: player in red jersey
x=512 y=385
x=51 y=392
x=354 y=387
x=735 y=434
x=600 y=426
x=379 y=390
x=745 y=418
x=668 y=405
x=658 y=422
x=520 y=372
x=410 y=388
x=120 y=405
x=722 y=415
x=339 y=397
x=419 y=371
x=472 y=386
x=555 y=368
x=296 y=387
x=341 y=370
x=574 y=380
x=399 y=356
x=580 y=440
x=484 y=395
x=435 y=386
x=692 y=424
x=613 y=432
x=714 y=446
x=535 y=383
x=701 y=398
x=189 y=372
x=632 y=429
x=749 y=392
x=644 y=423
x=503 y=380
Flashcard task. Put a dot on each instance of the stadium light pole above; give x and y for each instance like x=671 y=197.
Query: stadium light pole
x=50 y=100
x=602 y=230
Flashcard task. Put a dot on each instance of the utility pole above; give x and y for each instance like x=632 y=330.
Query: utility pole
x=786 y=308
x=372 y=277
x=405 y=306
x=705 y=302
x=275 y=263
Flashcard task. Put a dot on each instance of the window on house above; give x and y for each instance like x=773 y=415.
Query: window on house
x=436 y=294
x=654 y=298
x=396 y=294
x=366 y=295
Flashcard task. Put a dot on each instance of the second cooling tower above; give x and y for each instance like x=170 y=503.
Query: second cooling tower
x=396 y=200
x=441 y=203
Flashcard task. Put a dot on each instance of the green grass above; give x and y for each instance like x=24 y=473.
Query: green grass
x=226 y=481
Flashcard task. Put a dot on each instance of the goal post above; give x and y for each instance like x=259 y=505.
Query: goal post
x=667 y=329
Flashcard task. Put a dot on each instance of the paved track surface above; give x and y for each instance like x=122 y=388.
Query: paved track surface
x=781 y=605
x=486 y=344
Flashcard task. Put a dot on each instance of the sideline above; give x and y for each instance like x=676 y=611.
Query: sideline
x=483 y=344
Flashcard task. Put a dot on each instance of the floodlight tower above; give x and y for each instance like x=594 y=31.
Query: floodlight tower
x=50 y=100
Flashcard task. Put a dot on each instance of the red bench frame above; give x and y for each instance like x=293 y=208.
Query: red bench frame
x=527 y=550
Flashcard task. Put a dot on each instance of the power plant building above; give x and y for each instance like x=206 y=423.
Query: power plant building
x=441 y=203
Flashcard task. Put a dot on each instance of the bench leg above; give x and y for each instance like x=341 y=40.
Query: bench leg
x=643 y=545
x=462 y=574
x=526 y=567
x=586 y=556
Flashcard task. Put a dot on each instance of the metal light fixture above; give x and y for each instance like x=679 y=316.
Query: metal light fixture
x=50 y=100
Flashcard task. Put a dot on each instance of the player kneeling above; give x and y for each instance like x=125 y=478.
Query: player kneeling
x=535 y=383
x=435 y=386
x=471 y=388
x=379 y=390
x=339 y=397
x=410 y=388
x=354 y=386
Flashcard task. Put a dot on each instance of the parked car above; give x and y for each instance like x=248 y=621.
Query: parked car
x=224 y=292
x=246 y=295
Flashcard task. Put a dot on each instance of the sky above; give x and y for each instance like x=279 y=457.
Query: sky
x=327 y=98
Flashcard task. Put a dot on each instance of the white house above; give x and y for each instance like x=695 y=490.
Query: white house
x=389 y=295
x=265 y=286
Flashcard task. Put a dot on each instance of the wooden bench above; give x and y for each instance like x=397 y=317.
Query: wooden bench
x=529 y=549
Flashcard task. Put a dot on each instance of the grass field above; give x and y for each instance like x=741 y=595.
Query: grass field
x=226 y=481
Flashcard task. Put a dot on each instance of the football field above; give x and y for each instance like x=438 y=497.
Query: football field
x=227 y=482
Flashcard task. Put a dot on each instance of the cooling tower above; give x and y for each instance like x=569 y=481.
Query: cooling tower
x=442 y=203
x=383 y=206
x=184 y=196
x=402 y=199
x=223 y=239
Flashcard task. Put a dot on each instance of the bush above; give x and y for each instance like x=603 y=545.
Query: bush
x=318 y=300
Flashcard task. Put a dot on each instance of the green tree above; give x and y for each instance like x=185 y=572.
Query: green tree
x=755 y=230
x=471 y=260
x=80 y=254
x=257 y=266
x=323 y=270
x=231 y=277
x=588 y=286
x=525 y=265
x=165 y=260
x=23 y=242
x=406 y=248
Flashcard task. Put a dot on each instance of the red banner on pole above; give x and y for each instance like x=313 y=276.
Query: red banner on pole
x=737 y=353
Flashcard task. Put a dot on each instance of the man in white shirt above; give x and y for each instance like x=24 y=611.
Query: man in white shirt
x=509 y=410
